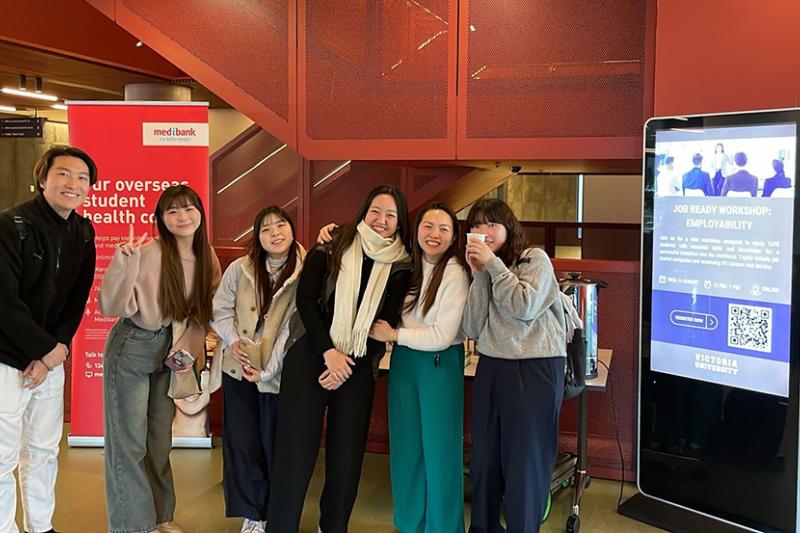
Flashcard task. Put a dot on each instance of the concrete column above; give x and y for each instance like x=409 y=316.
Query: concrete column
x=162 y=92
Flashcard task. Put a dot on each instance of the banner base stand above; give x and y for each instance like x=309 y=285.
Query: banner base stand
x=77 y=441
x=671 y=518
x=192 y=442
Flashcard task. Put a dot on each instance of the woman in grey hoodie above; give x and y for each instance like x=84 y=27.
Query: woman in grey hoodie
x=514 y=310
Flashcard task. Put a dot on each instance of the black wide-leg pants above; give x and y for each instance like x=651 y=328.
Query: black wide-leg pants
x=302 y=405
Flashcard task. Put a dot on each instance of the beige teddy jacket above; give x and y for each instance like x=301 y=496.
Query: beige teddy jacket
x=235 y=317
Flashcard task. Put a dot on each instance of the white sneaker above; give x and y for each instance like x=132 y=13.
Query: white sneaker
x=253 y=526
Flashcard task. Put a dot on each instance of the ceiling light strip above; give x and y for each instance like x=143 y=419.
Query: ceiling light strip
x=28 y=94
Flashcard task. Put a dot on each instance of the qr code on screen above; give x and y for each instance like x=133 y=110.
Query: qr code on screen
x=750 y=327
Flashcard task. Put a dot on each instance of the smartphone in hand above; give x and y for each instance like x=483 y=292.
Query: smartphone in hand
x=179 y=360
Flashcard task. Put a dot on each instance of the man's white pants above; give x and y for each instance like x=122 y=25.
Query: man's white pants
x=31 y=423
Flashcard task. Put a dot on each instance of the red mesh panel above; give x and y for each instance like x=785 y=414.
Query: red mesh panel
x=555 y=68
x=377 y=70
x=246 y=41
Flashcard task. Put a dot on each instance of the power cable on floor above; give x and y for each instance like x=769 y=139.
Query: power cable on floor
x=616 y=433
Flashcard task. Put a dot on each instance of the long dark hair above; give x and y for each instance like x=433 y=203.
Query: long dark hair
x=454 y=250
x=497 y=211
x=172 y=290
x=345 y=236
x=258 y=255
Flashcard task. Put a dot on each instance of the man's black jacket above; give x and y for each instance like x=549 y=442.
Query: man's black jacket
x=45 y=280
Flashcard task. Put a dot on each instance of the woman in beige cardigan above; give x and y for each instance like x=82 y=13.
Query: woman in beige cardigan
x=162 y=293
x=252 y=308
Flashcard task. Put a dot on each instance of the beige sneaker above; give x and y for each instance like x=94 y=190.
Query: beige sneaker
x=170 y=527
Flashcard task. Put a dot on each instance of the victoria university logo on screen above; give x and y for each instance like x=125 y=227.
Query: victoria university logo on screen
x=174 y=134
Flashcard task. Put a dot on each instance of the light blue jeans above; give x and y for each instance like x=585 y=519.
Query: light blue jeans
x=138 y=428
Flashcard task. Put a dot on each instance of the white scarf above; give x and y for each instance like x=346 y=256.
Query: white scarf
x=349 y=331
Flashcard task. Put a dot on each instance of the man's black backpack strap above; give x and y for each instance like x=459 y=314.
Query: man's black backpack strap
x=19 y=223
x=24 y=232
x=21 y=226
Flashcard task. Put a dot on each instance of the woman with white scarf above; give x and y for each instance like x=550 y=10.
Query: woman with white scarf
x=331 y=362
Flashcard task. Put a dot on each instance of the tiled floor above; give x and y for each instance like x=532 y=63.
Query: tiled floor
x=81 y=504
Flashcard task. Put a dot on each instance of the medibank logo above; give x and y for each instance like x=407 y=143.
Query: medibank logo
x=174 y=131
x=174 y=134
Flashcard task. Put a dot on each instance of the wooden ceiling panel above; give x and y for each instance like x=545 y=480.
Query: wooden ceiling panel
x=74 y=79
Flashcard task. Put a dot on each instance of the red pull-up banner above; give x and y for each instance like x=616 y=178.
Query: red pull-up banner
x=140 y=148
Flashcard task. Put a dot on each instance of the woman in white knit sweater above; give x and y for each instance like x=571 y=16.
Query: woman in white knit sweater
x=426 y=382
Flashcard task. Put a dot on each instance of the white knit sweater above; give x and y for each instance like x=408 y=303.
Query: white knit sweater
x=440 y=328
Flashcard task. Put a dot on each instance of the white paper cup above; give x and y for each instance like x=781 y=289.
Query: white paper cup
x=477 y=236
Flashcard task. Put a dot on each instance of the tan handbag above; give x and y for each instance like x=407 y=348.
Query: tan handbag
x=232 y=367
x=184 y=384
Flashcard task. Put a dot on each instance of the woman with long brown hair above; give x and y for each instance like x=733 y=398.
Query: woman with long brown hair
x=426 y=381
x=161 y=291
x=252 y=309
x=362 y=276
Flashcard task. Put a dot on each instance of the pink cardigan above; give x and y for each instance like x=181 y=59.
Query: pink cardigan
x=130 y=289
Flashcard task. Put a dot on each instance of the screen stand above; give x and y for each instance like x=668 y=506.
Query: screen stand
x=674 y=519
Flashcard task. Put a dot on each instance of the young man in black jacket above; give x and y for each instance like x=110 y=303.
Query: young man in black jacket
x=47 y=261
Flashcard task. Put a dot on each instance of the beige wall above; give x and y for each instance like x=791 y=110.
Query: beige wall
x=543 y=197
x=612 y=199
x=553 y=197
x=223 y=126
x=17 y=157
x=538 y=197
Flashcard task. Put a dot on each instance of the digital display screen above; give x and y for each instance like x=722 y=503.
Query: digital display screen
x=723 y=203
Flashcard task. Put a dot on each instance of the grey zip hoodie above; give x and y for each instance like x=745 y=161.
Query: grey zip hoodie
x=509 y=310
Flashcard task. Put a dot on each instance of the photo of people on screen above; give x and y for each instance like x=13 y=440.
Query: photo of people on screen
x=741 y=182
x=668 y=182
x=720 y=165
x=778 y=185
x=682 y=169
x=696 y=182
